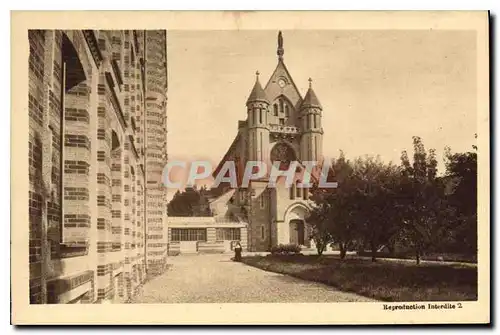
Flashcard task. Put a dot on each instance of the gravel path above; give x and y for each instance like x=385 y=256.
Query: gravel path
x=217 y=279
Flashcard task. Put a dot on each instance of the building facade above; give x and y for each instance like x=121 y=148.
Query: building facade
x=91 y=170
x=281 y=125
x=204 y=235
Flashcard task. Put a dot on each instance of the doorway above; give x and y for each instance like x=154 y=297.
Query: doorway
x=297 y=233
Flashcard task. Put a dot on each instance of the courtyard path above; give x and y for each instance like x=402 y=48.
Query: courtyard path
x=217 y=279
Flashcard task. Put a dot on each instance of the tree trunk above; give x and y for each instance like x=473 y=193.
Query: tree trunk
x=321 y=248
x=374 y=251
x=343 y=250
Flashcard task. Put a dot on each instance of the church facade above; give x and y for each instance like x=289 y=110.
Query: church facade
x=281 y=125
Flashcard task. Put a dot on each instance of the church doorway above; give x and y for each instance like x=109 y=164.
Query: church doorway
x=297 y=232
x=295 y=229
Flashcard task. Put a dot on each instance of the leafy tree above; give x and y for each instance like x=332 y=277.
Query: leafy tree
x=421 y=200
x=191 y=202
x=320 y=232
x=461 y=174
x=378 y=191
x=333 y=218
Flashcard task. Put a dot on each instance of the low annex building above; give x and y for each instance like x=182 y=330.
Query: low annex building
x=189 y=235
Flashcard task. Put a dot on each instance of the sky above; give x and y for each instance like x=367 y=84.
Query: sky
x=378 y=88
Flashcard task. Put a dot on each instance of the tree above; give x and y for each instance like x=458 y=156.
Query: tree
x=378 y=190
x=421 y=200
x=333 y=217
x=461 y=174
x=320 y=232
x=191 y=202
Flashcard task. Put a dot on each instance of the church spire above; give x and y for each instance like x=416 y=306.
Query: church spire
x=257 y=94
x=311 y=100
x=281 y=51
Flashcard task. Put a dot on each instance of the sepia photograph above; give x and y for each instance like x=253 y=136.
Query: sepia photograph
x=246 y=163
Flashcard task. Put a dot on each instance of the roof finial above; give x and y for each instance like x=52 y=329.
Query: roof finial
x=281 y=51
x=310 y=82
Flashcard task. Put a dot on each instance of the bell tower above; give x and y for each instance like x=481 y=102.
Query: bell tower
x=258 y=129
x=311 y=143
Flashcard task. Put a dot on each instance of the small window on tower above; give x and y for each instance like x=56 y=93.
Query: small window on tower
x=282 y=122
x=262 y=201
x=275 y=109
x=298 y=189
x=314 y=119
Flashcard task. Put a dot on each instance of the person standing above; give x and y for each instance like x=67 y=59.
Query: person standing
x=237 y=252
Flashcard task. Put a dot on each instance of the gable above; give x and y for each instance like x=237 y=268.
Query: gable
x=290 y=91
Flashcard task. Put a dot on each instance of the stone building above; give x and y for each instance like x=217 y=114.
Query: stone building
x=281 y=125
x=97 y=120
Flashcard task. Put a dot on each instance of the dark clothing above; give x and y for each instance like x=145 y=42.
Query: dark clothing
x=237 y=254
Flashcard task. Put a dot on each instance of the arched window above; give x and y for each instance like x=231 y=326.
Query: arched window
x=305 y=193
x=299 y=189
x=292 y=192
x=282 y=107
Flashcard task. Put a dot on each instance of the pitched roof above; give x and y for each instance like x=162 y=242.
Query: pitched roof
x=291 y=91
x=257 y=93
x=311 y=100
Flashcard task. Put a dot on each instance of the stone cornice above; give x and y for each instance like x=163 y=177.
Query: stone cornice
x=116 y=70
x=93 y=46
x=114 y=99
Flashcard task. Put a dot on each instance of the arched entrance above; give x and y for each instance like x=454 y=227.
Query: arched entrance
x=296 y=229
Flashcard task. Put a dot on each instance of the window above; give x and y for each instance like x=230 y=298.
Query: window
x=275 y=109
x=299 y=190
x=189 y=234
x=305 y=194
x=228 y=234
x=282 y=122
x=262 y=232
x=281 y=106
x=260 y=115
x=287 y=111
x=262 y=201
x=314 y=119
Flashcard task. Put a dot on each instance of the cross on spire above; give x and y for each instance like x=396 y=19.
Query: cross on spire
x=310 y=82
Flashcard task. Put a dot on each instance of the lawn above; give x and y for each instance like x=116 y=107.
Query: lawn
x=383 y=280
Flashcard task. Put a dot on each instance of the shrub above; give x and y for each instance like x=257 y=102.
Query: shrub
x=285 y=249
